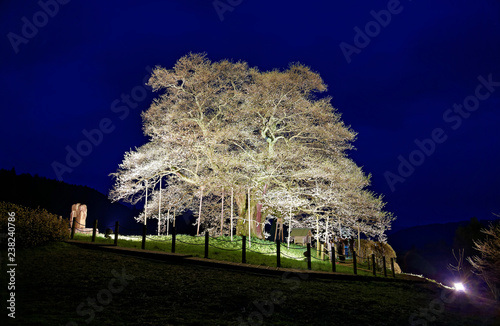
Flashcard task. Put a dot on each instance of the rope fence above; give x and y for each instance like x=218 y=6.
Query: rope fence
x=376 y=265
x=157 y=240
x=263 y=244
x=288 y=248
x=257 y=252
x=237 y=249
x=295 y=258
x=190 y=243
x=223 y=240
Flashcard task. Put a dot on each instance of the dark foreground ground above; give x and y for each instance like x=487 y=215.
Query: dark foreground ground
x=62 y=284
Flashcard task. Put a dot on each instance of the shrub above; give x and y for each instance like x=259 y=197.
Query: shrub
x=369 y=247
x=487 y=266
x=33 y=227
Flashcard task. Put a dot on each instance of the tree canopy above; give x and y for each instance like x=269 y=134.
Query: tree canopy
x=222 y=128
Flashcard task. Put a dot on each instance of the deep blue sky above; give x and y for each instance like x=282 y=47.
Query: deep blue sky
x=398 y=85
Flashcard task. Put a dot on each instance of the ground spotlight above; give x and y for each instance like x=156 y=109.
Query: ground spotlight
x=459 y=287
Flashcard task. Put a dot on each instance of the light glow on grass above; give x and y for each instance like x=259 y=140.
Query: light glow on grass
x=263 y=252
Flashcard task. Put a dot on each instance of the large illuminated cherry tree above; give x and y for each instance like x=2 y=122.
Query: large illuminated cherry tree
x=256 y=145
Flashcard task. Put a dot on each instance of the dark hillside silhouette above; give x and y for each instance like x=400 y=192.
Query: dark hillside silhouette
x=427 y=249
x=57 y=197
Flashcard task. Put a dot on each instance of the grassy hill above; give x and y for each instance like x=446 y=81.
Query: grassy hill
x=62 y=284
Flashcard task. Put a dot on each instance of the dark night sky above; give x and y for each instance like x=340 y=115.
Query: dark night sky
x=68 y=76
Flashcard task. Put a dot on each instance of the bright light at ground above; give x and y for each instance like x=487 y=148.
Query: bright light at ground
x=459 y=287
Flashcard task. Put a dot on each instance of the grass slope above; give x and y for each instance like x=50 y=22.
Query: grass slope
x=54 y=280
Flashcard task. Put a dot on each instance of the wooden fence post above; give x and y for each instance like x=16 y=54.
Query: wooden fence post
x=334 y=262
x=144 y=231
x=206 y=244
x=392 y=267
x=73 y=228
x=94 y=231
x=354 y=263
x=174 y=233
x=373 y=264
x=383 y=264
x=278 y=253
x=117 y=226
x=309 y=256
x=244 y=249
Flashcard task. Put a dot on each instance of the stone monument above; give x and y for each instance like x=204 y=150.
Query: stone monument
x=79 y=214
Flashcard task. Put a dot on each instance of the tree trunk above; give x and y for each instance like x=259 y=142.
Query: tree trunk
x=249 y=221
x=278 y=231
x=275 y=229
x=146 y=205
x=326 y=230
x=359 y=241
x=289 y=227
x=199 y=212
x=258 y=217
x=159 y=210
x=168 y=219
x=222 y=215
x=282 y=223
x=246 y=207
x=231 y=222
x=317 y=234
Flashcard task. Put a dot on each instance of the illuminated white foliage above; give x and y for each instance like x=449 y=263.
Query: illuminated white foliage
x=218 y=126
